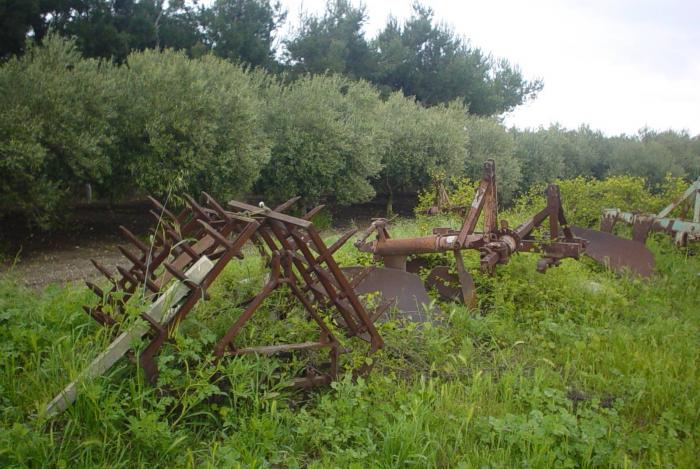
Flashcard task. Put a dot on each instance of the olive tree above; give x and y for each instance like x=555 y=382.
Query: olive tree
x=186 y=125
x=326 y=142
x=419 y=142
x=488 y=139
x=53 y=129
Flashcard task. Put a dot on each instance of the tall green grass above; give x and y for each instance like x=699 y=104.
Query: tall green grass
x=573 y=368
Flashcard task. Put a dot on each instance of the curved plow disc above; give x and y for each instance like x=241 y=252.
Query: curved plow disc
x=617 y=253
x=405 y=290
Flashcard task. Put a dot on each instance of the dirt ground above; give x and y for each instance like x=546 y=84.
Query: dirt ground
x=63 y=256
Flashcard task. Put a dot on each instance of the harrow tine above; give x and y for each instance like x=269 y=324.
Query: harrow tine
x=198 y=209
x=175 y=272
x=215 y=234
x=128 y=276
x=283 y=207
x=99 y=316
x=134 y=259
x=160 y=221
x=146 y=281
x=223 y=213
x=310 y=214
x=341 y=241
x=381 y=309
x=103 y=270
x=155 y=325
x=162 y=209
x=134 y=240
x=183 y=244
x=95 y=289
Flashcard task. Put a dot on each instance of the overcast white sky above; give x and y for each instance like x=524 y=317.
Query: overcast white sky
x=617 y=65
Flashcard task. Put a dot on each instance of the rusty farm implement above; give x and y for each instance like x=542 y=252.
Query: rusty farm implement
x=684 y=228
x=167 y=277
x=190 y=250
x=547 y=232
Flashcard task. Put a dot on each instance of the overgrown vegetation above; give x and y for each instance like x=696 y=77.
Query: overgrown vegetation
x=573 y=368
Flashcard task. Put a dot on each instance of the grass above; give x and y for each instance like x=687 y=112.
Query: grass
x=573 y=368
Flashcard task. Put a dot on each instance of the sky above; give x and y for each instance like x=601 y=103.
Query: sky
x=617 y=65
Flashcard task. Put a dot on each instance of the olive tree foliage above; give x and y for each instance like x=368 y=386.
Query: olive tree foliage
x=326 y=141
x=488 y=139
x=54 y=131
x=419 y=142
x=645 y=159
x=540 y=155
x=185 y=125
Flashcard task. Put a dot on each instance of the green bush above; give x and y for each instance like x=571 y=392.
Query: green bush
x=325 y=141
x=488 y=139
x=584 y=198
x=185 y=125
x=419 y=142
x=53 y=129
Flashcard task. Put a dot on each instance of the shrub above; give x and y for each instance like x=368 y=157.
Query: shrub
x=325 y=140
x=53 y=129
x=186 y=125
x=419 y=142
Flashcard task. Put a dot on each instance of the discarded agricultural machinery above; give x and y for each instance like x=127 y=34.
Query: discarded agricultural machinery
x=190 y=250
x=496 y=243
x=683 y=229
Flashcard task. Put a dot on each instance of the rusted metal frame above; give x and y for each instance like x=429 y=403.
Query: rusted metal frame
x=475 y=209
x=325 y=299
x=226 y=341
x=127 y=285
x=557 y=209
x=559 y=249
x=283 y=263
x=197 y=292
x=232 y=250
x=283 y=233
x=336 y=245
x=420 y=245
x=287 y=261
x=490 y=209
x=328 y=292
x=485 y=195
x=327 y=338
x=553 y=208
x=525 y=228
x=124 y=342
x=376 y=341
x=182 y=222
x=268 y=236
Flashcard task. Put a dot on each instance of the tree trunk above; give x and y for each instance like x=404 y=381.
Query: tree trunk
x=390 y=205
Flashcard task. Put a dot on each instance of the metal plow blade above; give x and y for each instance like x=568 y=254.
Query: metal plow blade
x=617 y=253
x=405 y=289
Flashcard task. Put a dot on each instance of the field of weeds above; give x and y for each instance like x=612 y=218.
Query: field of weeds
x=578 y=367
